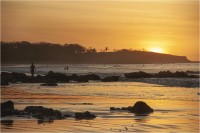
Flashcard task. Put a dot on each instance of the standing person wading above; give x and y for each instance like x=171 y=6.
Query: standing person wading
x=32 y=69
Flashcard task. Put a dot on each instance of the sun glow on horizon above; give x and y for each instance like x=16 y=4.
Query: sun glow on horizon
x=161 y=26
x=156 y=50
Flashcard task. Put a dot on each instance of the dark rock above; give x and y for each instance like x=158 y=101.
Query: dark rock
x=139 y=74
x=8 y=123
x=74 y=77
x=138 y=108
x=66 y=116
x=92 y=77
x=9 y=105
x=40 y=79
x=164 y=74
x=87 y=103
x=82 y=78
x=20 y=77
x=112 y=108
x=4 y=83
x=123 y=108
x=7 y=77
x=168 y=74
x=50 y=82
x=181 y=74
x=194 y=76
x=42 y=121
x=85 y=78
x=7 y=108
x=14 y=77
x=141 y=107
x=57 y=77
x=111 y=79
x=84 y=115
x=41 y=112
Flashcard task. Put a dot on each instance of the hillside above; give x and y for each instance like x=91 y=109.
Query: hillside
x=26 y=52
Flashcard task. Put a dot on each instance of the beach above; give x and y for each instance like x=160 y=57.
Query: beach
x=100 y=66
x=176 y=109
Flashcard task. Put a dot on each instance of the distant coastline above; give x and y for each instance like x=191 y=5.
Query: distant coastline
x=25 y=52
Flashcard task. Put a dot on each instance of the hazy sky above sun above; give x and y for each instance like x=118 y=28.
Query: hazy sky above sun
x=171 y=26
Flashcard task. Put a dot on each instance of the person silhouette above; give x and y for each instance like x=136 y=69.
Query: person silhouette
x=32 y=69
x=66 y=67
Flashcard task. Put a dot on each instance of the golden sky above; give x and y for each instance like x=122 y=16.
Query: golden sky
x=172 y=26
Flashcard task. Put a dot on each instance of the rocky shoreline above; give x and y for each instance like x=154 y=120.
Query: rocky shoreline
x=48 y=114
x=40 y=112
x=52 y=78
x=139 y=108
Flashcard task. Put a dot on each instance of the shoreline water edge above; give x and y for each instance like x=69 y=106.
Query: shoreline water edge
x=167 y=78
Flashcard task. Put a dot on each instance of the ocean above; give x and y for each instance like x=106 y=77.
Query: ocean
x=102 y=69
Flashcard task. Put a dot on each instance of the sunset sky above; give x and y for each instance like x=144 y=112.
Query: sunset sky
x=163 y=25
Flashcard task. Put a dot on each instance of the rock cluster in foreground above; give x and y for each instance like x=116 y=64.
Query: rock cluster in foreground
x=7 y=108
x=40 y=112
x=84 y=115
x=139 y=107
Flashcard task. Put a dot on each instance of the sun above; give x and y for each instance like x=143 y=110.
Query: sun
x=156 y=50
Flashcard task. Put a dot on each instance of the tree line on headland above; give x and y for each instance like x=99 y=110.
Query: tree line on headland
x=42 y=52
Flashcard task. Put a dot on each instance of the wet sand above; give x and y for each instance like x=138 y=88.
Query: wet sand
x=175 y=114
